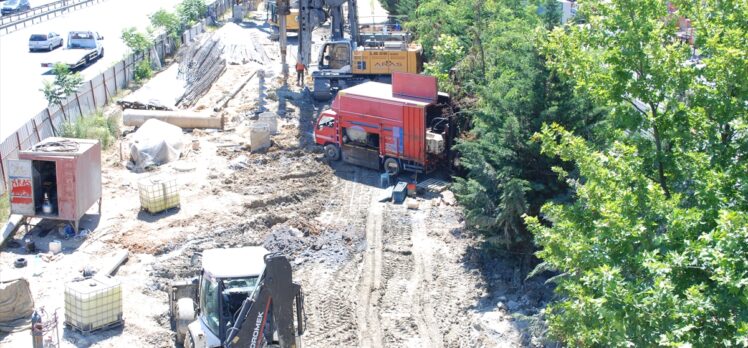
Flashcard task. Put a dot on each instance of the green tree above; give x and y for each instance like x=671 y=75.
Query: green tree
x=652 y=250
x=551 y=13
x=447 y=54
x=64 y=84
x=487 y=54
x=191 y=11
x=137 y=41
x=167 y=21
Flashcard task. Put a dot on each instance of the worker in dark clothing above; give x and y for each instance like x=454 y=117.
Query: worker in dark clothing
x=300 y=69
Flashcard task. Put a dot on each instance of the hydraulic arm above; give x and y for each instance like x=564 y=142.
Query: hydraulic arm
x=312 y=14
x=270 y=309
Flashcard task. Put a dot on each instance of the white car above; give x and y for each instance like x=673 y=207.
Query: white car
x=46 y=42
x=83 y=48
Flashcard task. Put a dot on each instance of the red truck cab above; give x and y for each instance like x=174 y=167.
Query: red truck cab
x=403 y=126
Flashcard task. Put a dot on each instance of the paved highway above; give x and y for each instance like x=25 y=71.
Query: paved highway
x=21 y=74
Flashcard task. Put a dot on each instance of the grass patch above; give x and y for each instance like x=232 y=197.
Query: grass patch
x=4 y=207
x=96 y=126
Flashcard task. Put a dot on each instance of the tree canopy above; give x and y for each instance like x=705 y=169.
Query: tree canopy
x=629 y=127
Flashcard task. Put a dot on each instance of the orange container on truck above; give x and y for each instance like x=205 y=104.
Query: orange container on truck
x=402 y=126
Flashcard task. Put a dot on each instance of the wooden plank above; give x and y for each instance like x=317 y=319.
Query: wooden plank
x=93 y=93
x=36 y=130
x=49 y=117
x=113 y=263
x=10 y=227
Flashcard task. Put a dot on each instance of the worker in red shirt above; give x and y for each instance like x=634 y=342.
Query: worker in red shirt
x=300 y=68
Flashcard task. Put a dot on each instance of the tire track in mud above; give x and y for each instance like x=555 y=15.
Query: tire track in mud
x=332 y=300
x=330 y=308
x=396 y=311
x=406 y=288
x=369 y=293
x=422 y=282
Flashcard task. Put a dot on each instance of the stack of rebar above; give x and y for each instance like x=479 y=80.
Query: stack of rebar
x=240 y=47
x=200 y=66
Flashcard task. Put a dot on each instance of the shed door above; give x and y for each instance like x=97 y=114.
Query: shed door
x=66 y=189
x=21 y=187
x=414 y=127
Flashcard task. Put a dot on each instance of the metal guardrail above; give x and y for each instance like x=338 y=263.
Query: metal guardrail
x=31 y=12
x=16 y=21
x=93 y=95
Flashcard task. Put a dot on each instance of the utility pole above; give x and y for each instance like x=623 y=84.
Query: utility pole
x=284 y=9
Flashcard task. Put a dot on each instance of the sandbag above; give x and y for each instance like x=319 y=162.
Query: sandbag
x=16 y=305
x=154 y=144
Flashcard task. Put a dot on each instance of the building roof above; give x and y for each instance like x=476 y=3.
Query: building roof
x=383 y=91
x=234 y=262
x=55 y=146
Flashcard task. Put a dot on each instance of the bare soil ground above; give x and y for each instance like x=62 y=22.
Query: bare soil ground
x=374 y=274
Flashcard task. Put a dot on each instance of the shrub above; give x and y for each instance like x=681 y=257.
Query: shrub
x=95 y=126
x=137 y=41
x=64 y=84
x=169 y=22
x=143 y=70
x=191 y=11
x=4 y=206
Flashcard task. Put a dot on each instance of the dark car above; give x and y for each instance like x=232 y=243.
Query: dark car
x=15 y=6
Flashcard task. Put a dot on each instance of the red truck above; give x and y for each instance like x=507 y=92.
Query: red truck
x=403 y=126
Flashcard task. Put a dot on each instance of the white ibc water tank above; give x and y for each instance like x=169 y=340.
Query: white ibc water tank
x=259 y=136
x=93 y=303
x=271 y=120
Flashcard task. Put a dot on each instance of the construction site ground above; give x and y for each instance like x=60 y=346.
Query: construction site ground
x=374 y=274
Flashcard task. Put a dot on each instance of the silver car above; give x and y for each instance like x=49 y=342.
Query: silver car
x=46 y=42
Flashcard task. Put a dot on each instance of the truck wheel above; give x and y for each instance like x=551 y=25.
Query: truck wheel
x=332 y=152
x=392 y=166
x=102 y=54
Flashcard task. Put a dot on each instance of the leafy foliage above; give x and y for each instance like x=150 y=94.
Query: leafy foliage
x=4 y=206
x=96 y=126
x=64 y=84
x=137 y=41
x=143 y=70
x=488 y=54
x=446 y=55
x=649 y=135
x=191 y=11
x=167 y=21
x=653 y=248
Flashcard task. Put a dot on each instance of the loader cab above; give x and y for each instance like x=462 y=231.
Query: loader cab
x=229 y=276
x=336 y=55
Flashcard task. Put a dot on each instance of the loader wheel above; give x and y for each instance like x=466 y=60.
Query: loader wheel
x=188 y=342
x=332 y=152
x=184 y=316
x=392 y=166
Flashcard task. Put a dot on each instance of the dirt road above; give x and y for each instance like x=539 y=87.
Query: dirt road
x=406 y=287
